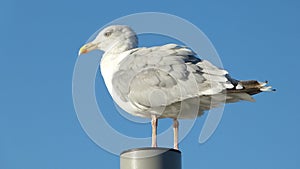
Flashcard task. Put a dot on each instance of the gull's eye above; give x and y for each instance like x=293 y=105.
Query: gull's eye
x=107 y=34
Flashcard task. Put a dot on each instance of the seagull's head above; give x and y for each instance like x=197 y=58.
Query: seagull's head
x=115 y=38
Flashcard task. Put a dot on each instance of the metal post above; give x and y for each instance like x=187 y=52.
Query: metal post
x=150 y=158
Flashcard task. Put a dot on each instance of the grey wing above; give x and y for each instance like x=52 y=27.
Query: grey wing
x=166 y=75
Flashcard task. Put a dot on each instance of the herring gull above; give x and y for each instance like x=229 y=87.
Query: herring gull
x=153 y=82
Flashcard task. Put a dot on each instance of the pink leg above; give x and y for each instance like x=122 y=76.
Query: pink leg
x=175 y=130
x=154 y=130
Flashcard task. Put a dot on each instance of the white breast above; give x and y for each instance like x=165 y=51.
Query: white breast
x=109 y=65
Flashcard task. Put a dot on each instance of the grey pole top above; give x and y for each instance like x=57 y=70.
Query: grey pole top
x=150 y=158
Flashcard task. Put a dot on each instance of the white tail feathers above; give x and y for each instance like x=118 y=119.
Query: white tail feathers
x=265 y=88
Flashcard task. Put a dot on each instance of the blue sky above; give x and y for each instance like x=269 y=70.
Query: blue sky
x=39 y=46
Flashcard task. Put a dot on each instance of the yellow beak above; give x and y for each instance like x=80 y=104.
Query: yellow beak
x=87 y=48
x=82 y=50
